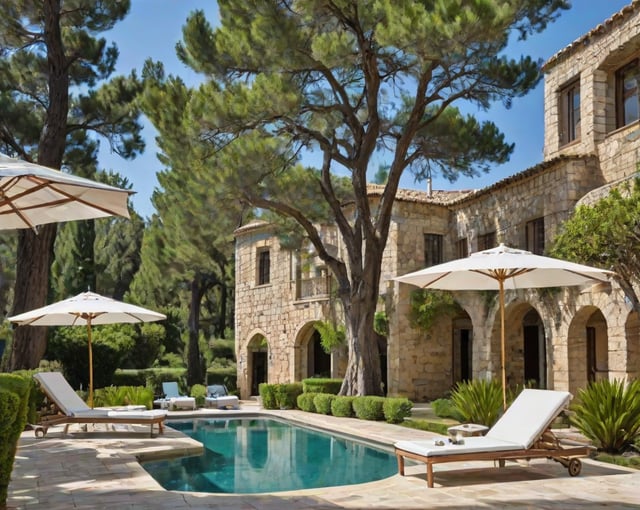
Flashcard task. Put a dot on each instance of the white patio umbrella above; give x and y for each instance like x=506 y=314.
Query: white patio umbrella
x=32 y=195
x=87 y=309
x=504 y=268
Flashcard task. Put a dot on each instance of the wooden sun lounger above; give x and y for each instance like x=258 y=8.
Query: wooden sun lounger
x=70 y=408
x=521 y=433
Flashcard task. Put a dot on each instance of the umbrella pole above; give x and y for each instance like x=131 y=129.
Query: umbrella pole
x=90 y=364
x=503 y=353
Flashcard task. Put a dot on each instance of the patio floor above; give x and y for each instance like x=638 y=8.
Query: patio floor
x=99 y=469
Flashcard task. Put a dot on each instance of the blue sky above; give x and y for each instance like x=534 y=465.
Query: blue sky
x=153 y=27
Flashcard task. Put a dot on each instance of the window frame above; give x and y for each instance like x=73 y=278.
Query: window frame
x=433 y=249
x=570 y=112
x=263 y=269
x=487 y=241
x=534 y=236
x=623 y=95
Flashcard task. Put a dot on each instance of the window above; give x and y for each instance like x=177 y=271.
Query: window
x=627 y=107
x=535 y=236
x=462 y=248
x=487 y=241
x=264 y=267
x=432 y=249
x=570 y=113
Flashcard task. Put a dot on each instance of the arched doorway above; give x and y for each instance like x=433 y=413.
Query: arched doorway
x=462 y=350
x=258 y=357
x=534 y=350
x=587 y=345
x=318 y=361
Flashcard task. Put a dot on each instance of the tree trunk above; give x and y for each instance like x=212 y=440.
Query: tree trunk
x=194 y=366
x=32 y=286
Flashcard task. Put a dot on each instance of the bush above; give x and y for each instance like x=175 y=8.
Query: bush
x=608 y=413
x=369 y=408
x=478 y=401
x=130 y=377
x=14 y=406
x=306 y=402
x=342 y=406
x=199 y=392
x=322 y=401
x=114 y=396
x=268 y=396
x=444 y=408
x=321 y=385
x=287 y=395
x=396 y=409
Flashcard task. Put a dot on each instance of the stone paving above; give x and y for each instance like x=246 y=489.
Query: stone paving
x=100 y=469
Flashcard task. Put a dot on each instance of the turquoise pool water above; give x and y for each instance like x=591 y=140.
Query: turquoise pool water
x=244 y=456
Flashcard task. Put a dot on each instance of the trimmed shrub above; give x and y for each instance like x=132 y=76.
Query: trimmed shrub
x=306 y=402
x=369 y=408
x=14 y=407
x=342 y=406
x=444 y=408
x=322 y=401
x=268 y=396
x=199 y=392
x=396 y=409
x=287 y=395
x=130 y=377
x=608 y=413
x=321 y=385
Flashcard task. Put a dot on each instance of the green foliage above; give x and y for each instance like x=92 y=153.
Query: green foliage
x=113 y=396
x=608 y=413
x=342 y=406
x=331 y=336
x=155 y=378
x=428 y=304
x=226 y=376
x=14 y=407
x=369 y=408
x=604 y=234
x=321 y=385
x=199 y=391
x=322 y=402
x=221 y=348
x=429 y=426
x=381 y=324
x=306 y=402
x=130 y=377
x=445 y=408
x=287 y=395
x=110 y=345
x=268 y=396
x=396 y=409
x=478 y=401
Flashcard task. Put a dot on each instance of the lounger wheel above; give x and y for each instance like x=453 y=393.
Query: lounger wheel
x=40 y=431
x=574 y=467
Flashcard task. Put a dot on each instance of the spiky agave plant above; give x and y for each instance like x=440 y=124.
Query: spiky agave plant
x=478 y=401
x=608 y=413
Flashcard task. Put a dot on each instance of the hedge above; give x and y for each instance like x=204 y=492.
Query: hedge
x=14 y=406
x=321 y=385
x=322 y=402
x=306 y=402
x=369 y=408
x=342 y=406
x=280 y=396
x=396 y=409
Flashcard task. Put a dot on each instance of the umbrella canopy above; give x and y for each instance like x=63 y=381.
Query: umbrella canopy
x=86 y=309
x=504 y=268
x=32 y=195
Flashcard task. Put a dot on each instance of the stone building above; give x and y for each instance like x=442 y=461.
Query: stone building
x=559 y=338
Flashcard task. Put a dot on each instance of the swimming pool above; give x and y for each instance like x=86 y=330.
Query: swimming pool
x=251 y=455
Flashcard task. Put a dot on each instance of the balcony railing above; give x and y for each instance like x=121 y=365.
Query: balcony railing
x=308 y=288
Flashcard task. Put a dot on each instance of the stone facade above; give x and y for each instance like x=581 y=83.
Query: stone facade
x=560 y=338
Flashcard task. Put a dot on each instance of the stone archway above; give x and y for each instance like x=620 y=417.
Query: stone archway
x=311 y=360
x=462 y=349
x=632 y=334
x=257 y=363
x=588 y=348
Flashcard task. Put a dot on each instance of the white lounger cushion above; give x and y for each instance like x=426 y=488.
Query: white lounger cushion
x=428 y=447
x=137 y=415
x=529 y=415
